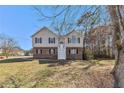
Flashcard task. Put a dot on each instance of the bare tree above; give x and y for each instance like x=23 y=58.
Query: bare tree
x=7 y=44
x=60 y=18
x=87 y=21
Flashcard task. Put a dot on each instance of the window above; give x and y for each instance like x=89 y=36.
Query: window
x=38 y=40
x=73 y=40
x=74 y=51
x=51 y=40
x=40 y=51
x=51 y=51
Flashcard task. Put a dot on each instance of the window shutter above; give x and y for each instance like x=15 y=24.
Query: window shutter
x=54 y=39
x=78 y=40
x=49 y=40
x=40 y=40
x=68 y=40
x=36 y=51
x=77 y=51
x=35 y=40
x=41 y=51
x=69 y=51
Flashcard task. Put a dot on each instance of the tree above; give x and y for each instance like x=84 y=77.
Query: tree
x=87 y=21
x=7 y=44
x=118 y=41
x=61 y=18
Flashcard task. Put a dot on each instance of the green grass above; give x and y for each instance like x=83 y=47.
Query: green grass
x=29 y=73
x=14 y=60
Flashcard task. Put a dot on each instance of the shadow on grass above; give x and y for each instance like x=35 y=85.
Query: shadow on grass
x=53 y=63
x=47 y=61
x=90 y=64
x=15 y=60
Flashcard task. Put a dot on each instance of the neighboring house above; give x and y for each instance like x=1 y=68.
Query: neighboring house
x=18 y=52
x=14 y=52
x=48 y=45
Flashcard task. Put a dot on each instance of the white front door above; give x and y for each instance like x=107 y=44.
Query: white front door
x=61 y=52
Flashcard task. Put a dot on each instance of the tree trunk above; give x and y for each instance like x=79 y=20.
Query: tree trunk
x=84 y=43
x=118 y=70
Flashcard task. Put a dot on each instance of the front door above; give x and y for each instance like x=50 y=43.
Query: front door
x=61 y=52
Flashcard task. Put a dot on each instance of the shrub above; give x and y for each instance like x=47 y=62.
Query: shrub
x=89 y=54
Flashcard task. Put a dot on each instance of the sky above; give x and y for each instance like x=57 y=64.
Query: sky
x=21 y=22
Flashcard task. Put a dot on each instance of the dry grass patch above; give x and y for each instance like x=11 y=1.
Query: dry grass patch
x=77 y=74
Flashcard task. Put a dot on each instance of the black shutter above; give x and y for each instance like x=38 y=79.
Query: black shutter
x=40 y=40
x=36 y=51
x=54 y=39
x=35 y=40
x=77 y=51
x=68 y=40
x=78 y=40
x=49 y=40
x=41 y=51
x=69 y=51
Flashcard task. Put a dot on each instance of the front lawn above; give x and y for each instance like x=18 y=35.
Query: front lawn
x=29 y=73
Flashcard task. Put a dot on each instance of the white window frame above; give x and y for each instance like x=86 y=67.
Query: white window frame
x=73 y=51
x=51 y=40
x=74 y=40
x=38 y=40
x=52 y=51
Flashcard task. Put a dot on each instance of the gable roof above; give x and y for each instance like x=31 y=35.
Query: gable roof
x=54 y=33
x=43 y=29
x=72 y=32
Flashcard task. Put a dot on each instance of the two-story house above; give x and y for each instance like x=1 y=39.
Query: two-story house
x=48 y=45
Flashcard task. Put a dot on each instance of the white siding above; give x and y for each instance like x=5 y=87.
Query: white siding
x=45 y=34
x=72 y=44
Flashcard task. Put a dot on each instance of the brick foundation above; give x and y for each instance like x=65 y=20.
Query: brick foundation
x=46 y=55
x=77 y=56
